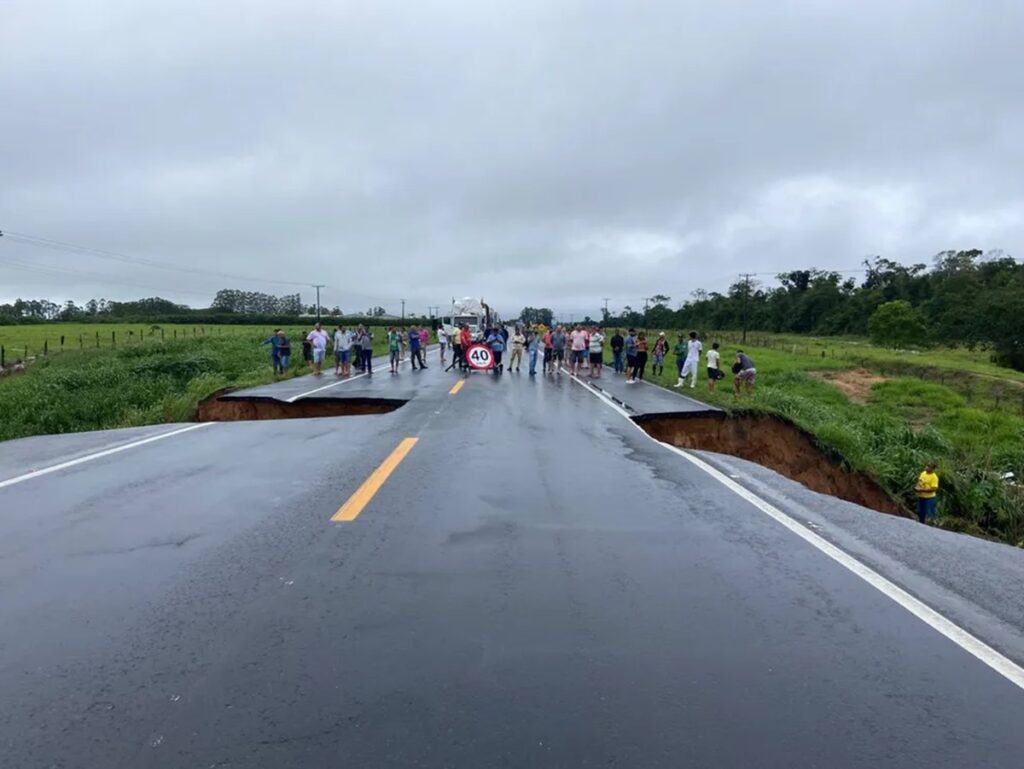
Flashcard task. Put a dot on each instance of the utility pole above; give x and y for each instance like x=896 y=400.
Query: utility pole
x=403 y=309
x=647 y=302
x=746 y=301
x=605 y=298
x=318 y=286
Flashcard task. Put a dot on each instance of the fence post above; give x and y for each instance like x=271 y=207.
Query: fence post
x=46 y=347
x=81 y=342
x=113 y=339
x=175 y=333
x=3 y=357
x=97 y=340
x=62 y=343
x=161 y=335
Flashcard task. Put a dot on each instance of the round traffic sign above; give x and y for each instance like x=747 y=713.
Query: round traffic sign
x=480 y=357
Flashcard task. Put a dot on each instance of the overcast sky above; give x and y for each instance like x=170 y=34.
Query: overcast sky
x=546 y=153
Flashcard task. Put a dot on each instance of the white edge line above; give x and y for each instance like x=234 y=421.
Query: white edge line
x=344 y=381
x=973 y=645
x=98 y=455
x=325 y=387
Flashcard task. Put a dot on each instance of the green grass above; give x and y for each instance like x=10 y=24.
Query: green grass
x=139 y=384
x=951 y=406
x=32 y=339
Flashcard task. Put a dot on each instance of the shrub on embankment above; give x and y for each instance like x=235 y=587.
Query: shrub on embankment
x=126 y=387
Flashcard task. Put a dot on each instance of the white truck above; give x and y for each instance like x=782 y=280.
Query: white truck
x=473 y=312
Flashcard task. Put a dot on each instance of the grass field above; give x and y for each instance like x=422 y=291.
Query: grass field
x=33 y=339
x=139 y=384
x=888 y=412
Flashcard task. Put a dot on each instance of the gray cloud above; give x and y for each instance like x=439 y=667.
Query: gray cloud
x=545 y=153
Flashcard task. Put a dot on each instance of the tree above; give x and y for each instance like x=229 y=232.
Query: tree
x=897 y=324
x=534 y=315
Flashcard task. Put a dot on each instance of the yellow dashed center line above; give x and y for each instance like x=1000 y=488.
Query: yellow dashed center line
x=355 y=504
x=456 y=387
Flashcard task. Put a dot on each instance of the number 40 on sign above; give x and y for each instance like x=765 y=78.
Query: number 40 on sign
x=480 y=357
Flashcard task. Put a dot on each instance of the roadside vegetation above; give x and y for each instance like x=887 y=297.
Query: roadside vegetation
x=888 y=412
x=140 y=384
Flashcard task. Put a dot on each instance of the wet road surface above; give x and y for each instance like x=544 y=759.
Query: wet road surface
x=536 y=584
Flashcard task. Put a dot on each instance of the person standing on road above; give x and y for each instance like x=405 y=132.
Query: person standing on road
x=318 y=339
x=274 y=340
x=518 y=342
x=629 y=347
x=356 y=349
x=714 y=367
x=394 y=348
x=558 y=349
x=596 y=352
x=414 y=348
x=927 y=488
x=442 y=341
x=466 y=339
x=458 y=351
x=341 y=351
x=641 y=359
x=365 y=339
x=496 y=342
x=533 y=346
x=660 y=351
x=692 y=362
x=549 y=351
x=617 y=358
x=745 y=373
x=424 y=344
x=579 y=343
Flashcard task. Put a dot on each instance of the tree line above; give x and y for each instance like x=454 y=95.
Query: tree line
x=967 y=298
x=227 y=302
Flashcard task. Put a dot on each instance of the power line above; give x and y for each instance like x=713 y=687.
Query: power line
x=58 y=245
x=65 y=271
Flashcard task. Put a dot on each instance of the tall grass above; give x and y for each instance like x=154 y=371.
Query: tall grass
x=132 y=386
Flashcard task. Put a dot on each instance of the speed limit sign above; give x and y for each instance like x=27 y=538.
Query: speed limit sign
x=480 y=357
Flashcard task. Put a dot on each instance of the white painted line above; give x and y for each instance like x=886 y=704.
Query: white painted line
x=351 y=378
x=325 y=387
x=974 y=646
x=98 y=455
x=674 y=391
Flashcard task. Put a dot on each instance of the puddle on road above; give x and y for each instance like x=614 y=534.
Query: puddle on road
x=775 y=444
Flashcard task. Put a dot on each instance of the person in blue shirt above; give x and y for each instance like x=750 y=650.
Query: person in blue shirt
x=280 y=350
x=496 y=341
x=415 y=351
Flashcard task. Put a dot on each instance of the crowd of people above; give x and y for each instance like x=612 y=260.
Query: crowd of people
x=587 y=347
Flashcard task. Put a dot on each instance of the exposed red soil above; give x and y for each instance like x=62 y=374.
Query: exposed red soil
x=217 y=409
x=776 y=444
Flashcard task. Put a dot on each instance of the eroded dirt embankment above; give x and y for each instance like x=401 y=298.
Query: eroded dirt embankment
x=218 y=409
x=776 y=444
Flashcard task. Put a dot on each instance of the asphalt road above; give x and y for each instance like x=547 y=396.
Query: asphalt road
x=537 y=584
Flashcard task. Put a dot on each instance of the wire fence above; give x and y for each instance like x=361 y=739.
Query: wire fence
x=22 y=353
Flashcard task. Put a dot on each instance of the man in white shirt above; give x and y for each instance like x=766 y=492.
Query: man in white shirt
x=442 y=341
x=714 y=367
x=318 y=339
x=596 y=353
x=692 y=362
